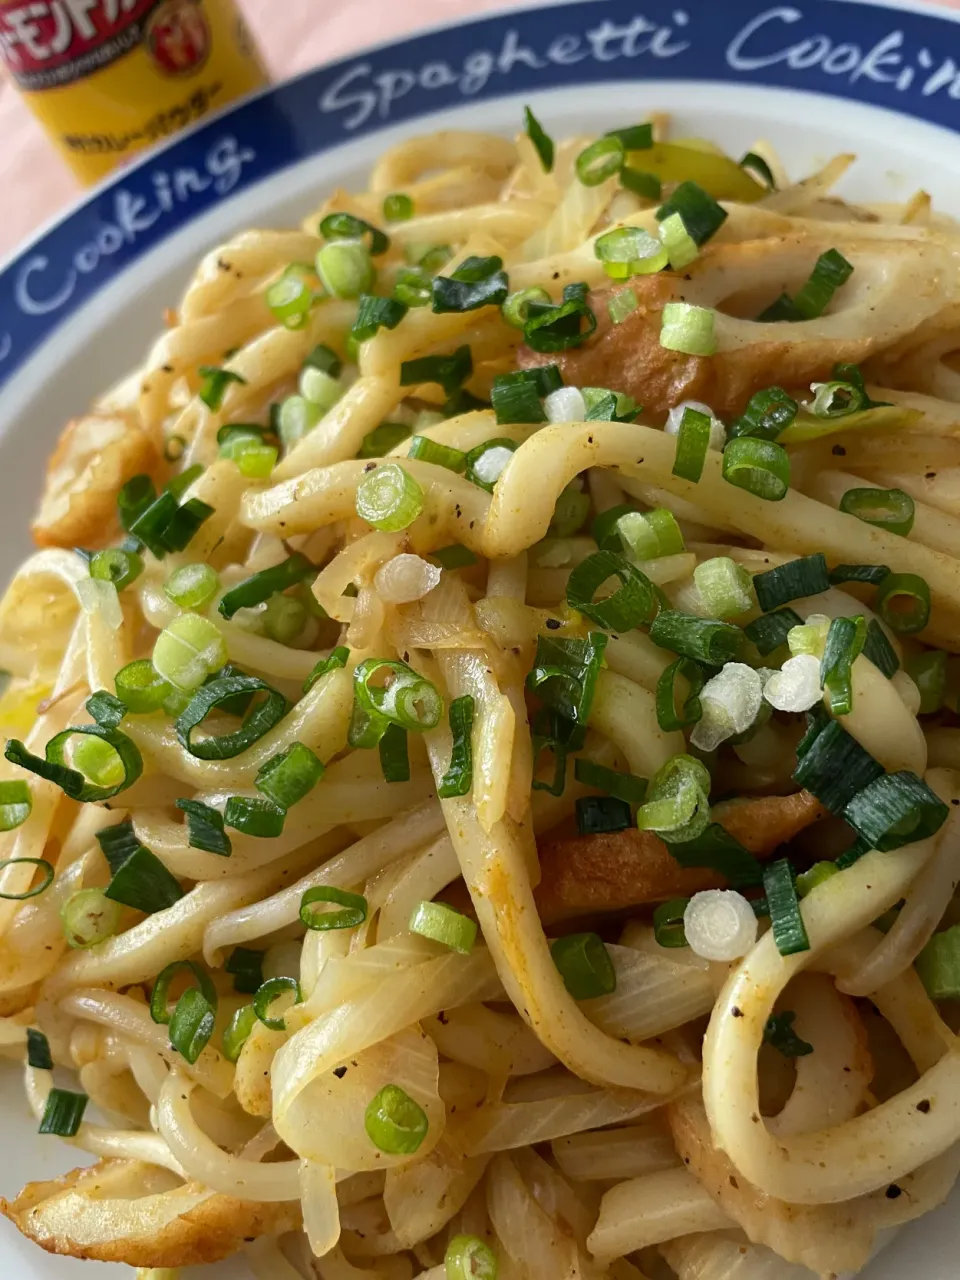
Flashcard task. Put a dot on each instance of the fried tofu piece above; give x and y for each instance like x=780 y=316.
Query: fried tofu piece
x=620 y=869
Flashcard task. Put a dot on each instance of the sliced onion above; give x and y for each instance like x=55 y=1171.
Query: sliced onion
x=406 y=578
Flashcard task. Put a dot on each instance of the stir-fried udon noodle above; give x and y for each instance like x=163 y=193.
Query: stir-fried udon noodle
x=482 y=754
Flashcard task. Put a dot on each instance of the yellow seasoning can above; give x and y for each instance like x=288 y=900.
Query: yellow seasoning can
x=107 y=78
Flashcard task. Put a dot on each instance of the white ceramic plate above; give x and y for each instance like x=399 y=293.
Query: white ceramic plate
x=81 y=303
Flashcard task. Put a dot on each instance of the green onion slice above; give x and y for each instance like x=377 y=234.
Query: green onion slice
x=769 y=631
x=15 y=804
x=205 y=828
x=450 y=371
x=669 y=715
x=88 y=917
x=795 y=580
x=486 y=463
x=192 y=1024
x=702 y=639
x=516 y=309
x=389 y=498
x=395 y=1123
x=290 y=775
x=141 y=688
x=880 y=651
x=394 y=754
x=38 y=1050
x=668 y=927
x=717 y=849
x=903 y=602
x=35 y=892
x=375 y=313
x=938 y=965
x=409 y=701
x=215 y=383
x=688 y=329
x=192 y=585
x=258 y=720
x=477 y=282
x=630 y=251
x=895 y=809
x=702 y=215
x=254 y=816
x=789 y=931
x=63 y=1113
x=624 y=786
x=559 y=328
x=53 y=768
x=441 y=923
x=272 y=990
x=117 y=566
x=601 y=160
x=928 y=671
x=564 y=677
x=469 y=1258
x=599 y=814
x=458 y=779
x=238 y=1031
x=779 y=1032
x=542 y=142
x=584 y=964
x=635 y=602
x=160 y=1009
x=873 y=574
x=768 y=413
x=833 y=766
x=516 y=401
x=353 y=909
x=397 y=207
x=844 y=642
x=889 y=509
x=693 y=440
x=246 y=966
x=759 y=466
x=440 y=455
x=345 y=226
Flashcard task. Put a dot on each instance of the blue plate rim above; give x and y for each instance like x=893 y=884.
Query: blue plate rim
x=843 y=46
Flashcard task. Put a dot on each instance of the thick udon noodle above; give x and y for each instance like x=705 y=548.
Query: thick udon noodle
x=572 y=1137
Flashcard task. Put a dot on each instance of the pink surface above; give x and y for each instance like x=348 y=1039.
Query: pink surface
x=293 y=34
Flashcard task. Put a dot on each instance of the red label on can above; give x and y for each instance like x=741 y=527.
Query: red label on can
x=45 y=43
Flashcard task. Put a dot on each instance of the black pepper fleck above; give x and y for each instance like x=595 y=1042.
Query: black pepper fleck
x=553 y=624
x=737 y=1013
x=339 y=1072
x=838 y=451
x=893 y=1192
x=924 y=1106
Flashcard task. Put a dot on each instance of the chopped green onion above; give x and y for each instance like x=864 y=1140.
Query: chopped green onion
x=297 y=418
x=558 y=328
x=188 y=651
x=554 y=733
x=516 y=402
x=542 y=142
x=134 y=498
x=928 y=671
x=246 y=965
x=486 y=463
x=779 y=1033
x=830 y=272
x=88 y=917
x=789 y=932
x=319 y=388
x=622 y=304
x=143 y=882
x=768 y=413
x=375 y=313
x=938 y=965
x=38 y=1050
x=702 y=215
x=641 y=183
x=205 y=828
x=702 y=639
x=623 y=786
x=634 y=137
x=458 y=779
x=336 y=661
x=140 y=687
x=430 y=257
x=164 y=526
x=584 y=964
x=441 y=923
x=629 y=251
x=759 y=466
x=35 y=892
x=889 y=509
x=290 y=298
x=192 y=585
x=677 y=807
x=669 y=716
x=725 y=587
x=680 y=247
x=833 y=766
x=397 y=207
x=254 y=816
x=63 y=1113
x=283 y=619
x=837 y=399
x=516 y=309
x=599 y=814
x=394 y=754
x=192 y=1024
x=450 y=371
x=571 y=510
x=412 y=287
x=689 y=329
x=395 y=1123
x=215 y=383
x=564 y=677
x=389 y=498
x=257 y=462
x=895 y=809
x=807 y=881
x=756 y=164
x=53 y=767
x=160 y=1010
x=903 y=602
x=346 y=226
x=238 y=1031
x=469 y=1258
x=873 y=574
x=259 y=587
x=345 y=268
x=381 y=440
x=15 y=804
x=795 y=580
x=880 y=651
x=648 y=535
x=353 y=912
x=769 y=631
x=409 y=701
x=634 y=603
x=693 y=440
x=601 y=160
x=290 y=775
x=844 y=641
x=116 y=566
x=477 y=282
x=257 y=721
x=273 y=989
x=98 y=761
x=668 y=928
x=606 y=528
